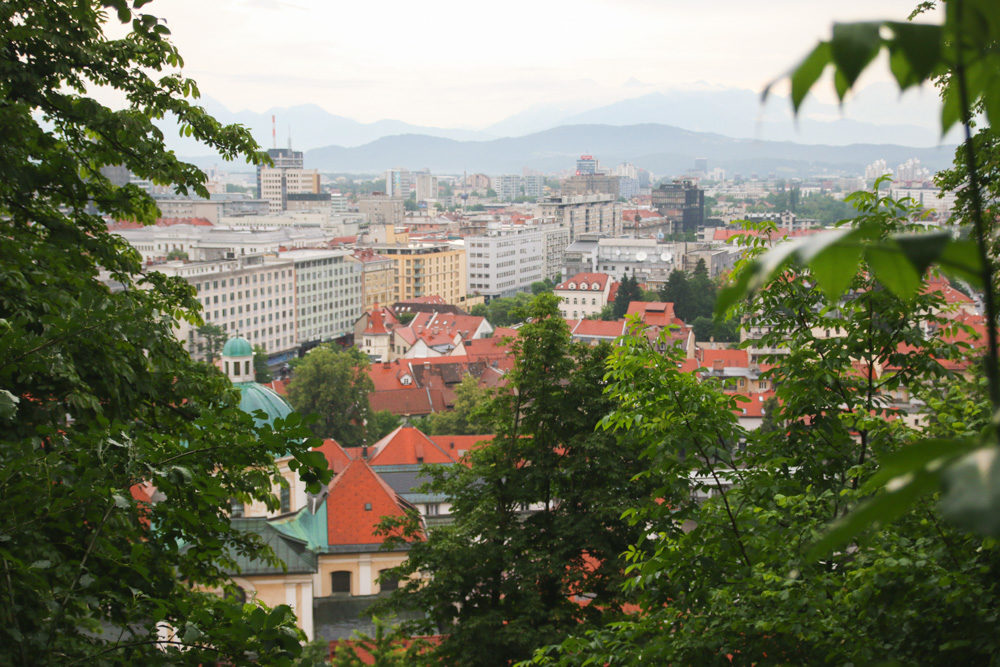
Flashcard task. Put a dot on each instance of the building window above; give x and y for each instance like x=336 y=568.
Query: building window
x=433 y=508
x=236 y=509
x=286 y=499
x=340 y=582
x=387 y=582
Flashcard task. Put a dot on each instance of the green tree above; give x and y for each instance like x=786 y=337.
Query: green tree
x=537 y=513
x=211 y=339
x=96 y=394
x=380 y=424
x=465 y=417
x=333 y=384
x=262 y=372
x=628 y=291
x=177 y=254
x=738 y=581
x=703 y=291
x=677 y=290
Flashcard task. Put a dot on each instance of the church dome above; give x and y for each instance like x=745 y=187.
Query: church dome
x=254 y=396
x=237 y=347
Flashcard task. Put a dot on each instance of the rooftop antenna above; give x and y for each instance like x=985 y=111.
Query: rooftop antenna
x=274 y=133
x=289 y=138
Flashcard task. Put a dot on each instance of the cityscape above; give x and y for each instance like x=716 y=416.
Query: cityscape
x=616 y=379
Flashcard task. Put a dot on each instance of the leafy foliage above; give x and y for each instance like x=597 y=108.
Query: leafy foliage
x=726 y=577
x=98 y=398
x=333 y=383
x=536 y=513
x=466 y=416
x=262 y=373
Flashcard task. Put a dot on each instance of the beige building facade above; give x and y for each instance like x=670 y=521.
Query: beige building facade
x=425 y=269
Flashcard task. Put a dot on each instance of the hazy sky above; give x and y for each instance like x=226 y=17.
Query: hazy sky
x=450 y=63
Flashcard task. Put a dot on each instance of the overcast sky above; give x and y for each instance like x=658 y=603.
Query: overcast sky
x=468 y=64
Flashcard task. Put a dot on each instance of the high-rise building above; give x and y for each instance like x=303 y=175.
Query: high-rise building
x=398 y=182
x=328 y=296
x=682 y=202
x=588 y=184
x=287 y=175
x=506 y=259
x=426 y=186
x=587 y=164
x=507 y=187
x=426 y=269
x=584 y=214
x=534 y=185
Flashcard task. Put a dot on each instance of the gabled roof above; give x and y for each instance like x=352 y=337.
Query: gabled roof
x=407 y=445
x=381 y=320
x=357 y=501
x=442 y=328
x=585 y=281
x=458 y=445
x=336 y=457
x=598 y=329
x=655 y=313
x=726 y=358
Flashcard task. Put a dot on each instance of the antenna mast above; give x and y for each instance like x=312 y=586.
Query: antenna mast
x=274 y=133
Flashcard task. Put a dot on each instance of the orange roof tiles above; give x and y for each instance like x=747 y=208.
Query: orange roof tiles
x=337 y=457
x=358 y=499
x=407 y=445
x=655 y=313
x=598 y=328
x=725 y=358
x=584 y=281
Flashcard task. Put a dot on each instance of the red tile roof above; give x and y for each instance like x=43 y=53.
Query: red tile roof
x=337 y=457
x=381 y=320
x=407 y=445
x=584 y=281
x=727 y=358
x=598 y=328
x=160 y=222
x=655 y=313
x=357 y=501
x=457 y=445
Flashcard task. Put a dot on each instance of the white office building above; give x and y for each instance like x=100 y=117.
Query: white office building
x=506 y=259
x=328 y=294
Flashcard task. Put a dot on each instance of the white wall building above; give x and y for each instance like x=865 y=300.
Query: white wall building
x=245 y=296
x=505 y=259
x=328 y=294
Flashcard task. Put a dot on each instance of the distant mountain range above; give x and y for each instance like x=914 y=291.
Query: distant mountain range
x=662 y=132
x=662 y=149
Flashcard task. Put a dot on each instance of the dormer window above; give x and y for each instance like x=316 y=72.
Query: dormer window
x=595 y=286
x=572 y=285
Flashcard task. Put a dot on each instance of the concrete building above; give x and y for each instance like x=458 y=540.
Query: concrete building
x=275 y=184
x=247 y=296
x=683 y=202
x=587 y=164
x=534 y=185
x=328 y=285
x=424 y=269
x=584 y=214
x=426 y=186
x=507 y=187
x=307 y=201
x=505 y=259
x=582 y=295
x=589 y=184
x=378 y=278
x=208 y=243
x=399 y=182
x=382 y=209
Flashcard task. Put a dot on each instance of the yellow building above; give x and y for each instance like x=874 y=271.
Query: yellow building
x=378 y=278
x=425 y=269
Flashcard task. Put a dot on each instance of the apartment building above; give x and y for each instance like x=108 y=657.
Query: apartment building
x=507 y=187
x=382 y=209
x=328 y=287
x=378 y=278
x=246 y=296
x=426 y=186
x=275 y=184
x=584 y=214
x=207 y=243
x=426 y=268
x=583 y=294
x=506 y=259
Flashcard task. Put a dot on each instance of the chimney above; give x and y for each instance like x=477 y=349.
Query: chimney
x=364 y=452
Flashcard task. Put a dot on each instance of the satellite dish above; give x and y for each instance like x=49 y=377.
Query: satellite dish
x=640 y=256
x=666 y=256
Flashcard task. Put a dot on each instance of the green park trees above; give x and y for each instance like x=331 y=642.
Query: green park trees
x=333 y=384
x=534 y=550
x=99 y=403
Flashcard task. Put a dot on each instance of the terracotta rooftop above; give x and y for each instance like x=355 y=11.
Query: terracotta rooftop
x=358 y=499
x=585 y=281
x=407 y=445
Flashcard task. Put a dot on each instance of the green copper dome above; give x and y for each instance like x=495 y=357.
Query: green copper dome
x=254 y=397
x=237 y=347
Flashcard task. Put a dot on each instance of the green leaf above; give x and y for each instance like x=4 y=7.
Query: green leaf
x=8 y=404
x=833 y=258
x=916 y=457
x=960 y=259
x=972 y=491
x=874 y=513
x=891 y=267
x=951 y=110
x=922 y=249
x=853 y=46
x=808 y=72
x=920 y=45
